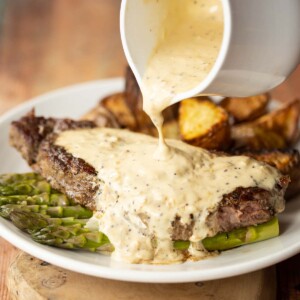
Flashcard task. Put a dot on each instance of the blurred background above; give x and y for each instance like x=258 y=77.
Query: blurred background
x=48 y=44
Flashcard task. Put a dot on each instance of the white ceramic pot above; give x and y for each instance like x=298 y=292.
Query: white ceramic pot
x=260 y=48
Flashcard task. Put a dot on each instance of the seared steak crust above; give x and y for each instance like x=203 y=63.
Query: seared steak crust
x=248 y=206
x=27 y=134
x=34 y=137
x=241 y=208
x=66 y=173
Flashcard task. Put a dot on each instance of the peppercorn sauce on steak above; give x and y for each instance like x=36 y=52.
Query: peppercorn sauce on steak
x=143 y=204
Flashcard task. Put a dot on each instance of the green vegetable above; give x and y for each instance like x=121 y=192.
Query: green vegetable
x=237 y=237
x=75 y=211
x=242 y=236
x=59 y=232
x=29 y=189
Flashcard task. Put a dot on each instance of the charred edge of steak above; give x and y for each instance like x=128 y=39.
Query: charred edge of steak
x=248 y=206
x=68 y=174
x=241 y=208
x=27 y=133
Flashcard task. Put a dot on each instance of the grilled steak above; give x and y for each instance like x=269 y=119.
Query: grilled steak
x=34 y=138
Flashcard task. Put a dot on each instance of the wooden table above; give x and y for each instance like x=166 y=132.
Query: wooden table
x=53 y=43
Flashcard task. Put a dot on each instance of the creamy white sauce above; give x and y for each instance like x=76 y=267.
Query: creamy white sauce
x=143 y=190
x=140 y=196
x=187 y=48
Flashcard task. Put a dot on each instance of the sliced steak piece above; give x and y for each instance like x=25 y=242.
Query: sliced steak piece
x=34 y=137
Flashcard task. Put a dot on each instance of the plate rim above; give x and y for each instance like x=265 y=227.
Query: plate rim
x=44 y=252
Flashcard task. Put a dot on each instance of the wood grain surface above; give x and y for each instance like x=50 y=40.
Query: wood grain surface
x=47 y=44
x=31 y=278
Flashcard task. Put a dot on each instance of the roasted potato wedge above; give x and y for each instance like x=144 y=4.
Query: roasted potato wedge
x=202 y=123
x=284 y=121
x=246 y=109
x=112 y=112
x=117 y=105
x=276 y=130
x=101 y=117
x=253 y=137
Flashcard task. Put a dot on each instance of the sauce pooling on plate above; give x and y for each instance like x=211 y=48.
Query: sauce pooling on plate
x=144 y=191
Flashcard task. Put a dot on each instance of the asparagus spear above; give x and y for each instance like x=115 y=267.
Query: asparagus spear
x=20 y=184
x=66 y=233
x=243 y=236
x=75 y=211
x=237 y=237
x=29 y=189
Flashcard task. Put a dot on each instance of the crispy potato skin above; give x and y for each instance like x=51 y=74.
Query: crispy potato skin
x=276 y=130
x=256 y=138
x=284 y=121
x=112 y=112
x=101 y=117
x=202 y=123
x=117 y=105
x=246 y=109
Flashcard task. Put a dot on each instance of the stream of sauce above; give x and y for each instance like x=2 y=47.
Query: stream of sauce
x=187 y=48
x=143 y=190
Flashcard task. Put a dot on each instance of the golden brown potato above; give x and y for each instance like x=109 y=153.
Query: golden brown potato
x=112 y=112
x=116 y=104
x=203 y=123
x=284 y=121
x=276 y=130
x=250 y=136
x=246 y=109
x=101 y=117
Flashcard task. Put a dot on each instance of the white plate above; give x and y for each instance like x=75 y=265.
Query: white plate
x=73 y=102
